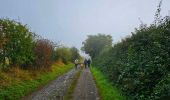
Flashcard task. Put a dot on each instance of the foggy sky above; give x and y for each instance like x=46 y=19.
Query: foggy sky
x=70 y=21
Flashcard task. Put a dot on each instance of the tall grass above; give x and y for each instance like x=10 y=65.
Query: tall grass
x=19 y=87
x=106 y=90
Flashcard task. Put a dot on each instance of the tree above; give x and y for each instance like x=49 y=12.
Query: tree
x=94 y=44
x=74 y=54
x=64 y=54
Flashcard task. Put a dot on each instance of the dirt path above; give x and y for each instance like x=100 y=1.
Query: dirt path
x=56 y=90
x=85 y=88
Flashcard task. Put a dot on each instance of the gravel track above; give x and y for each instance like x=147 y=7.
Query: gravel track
x=56 y=90
x=86 y=88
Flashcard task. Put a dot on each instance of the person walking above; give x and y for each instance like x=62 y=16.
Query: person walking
x=89 y=62
x=76 y=63
x=85 y=63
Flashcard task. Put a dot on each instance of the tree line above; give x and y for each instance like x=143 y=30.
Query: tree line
x=19 y=47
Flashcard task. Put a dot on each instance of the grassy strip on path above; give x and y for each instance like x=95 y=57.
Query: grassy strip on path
x=106 y=90
x=72 y=87
x=19 y=88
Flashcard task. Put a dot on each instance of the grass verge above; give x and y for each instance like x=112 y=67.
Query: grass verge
x=72 y=87
x=106 y=90
x=18 y=88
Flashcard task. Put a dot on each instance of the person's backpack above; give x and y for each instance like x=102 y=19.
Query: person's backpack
x=76 y=61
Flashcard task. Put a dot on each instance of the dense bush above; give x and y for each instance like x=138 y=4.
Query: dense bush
x=19 y=47
x=16 y=43
x=25 y=60
x=140 y=64
x=43 y=51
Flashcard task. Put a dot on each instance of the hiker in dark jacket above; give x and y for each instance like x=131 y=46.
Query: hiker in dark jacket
x=85 y=63
x=89 y=62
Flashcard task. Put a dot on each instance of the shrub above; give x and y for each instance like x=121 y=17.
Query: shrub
x=43 y=53
x=16 y=43
x=64 y=54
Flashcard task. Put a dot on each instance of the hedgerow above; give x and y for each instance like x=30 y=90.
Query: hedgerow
x=19 y=47
x=140 y=64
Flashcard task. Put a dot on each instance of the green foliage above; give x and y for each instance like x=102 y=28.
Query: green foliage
x=94 y=44
x=74 y=54
x=106 y=90
x=19 y=47
x=162 y=88
x=139 y=64
x=16 y=43
x=64 y=54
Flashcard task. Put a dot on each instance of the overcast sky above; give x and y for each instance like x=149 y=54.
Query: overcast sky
x=70 y=21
